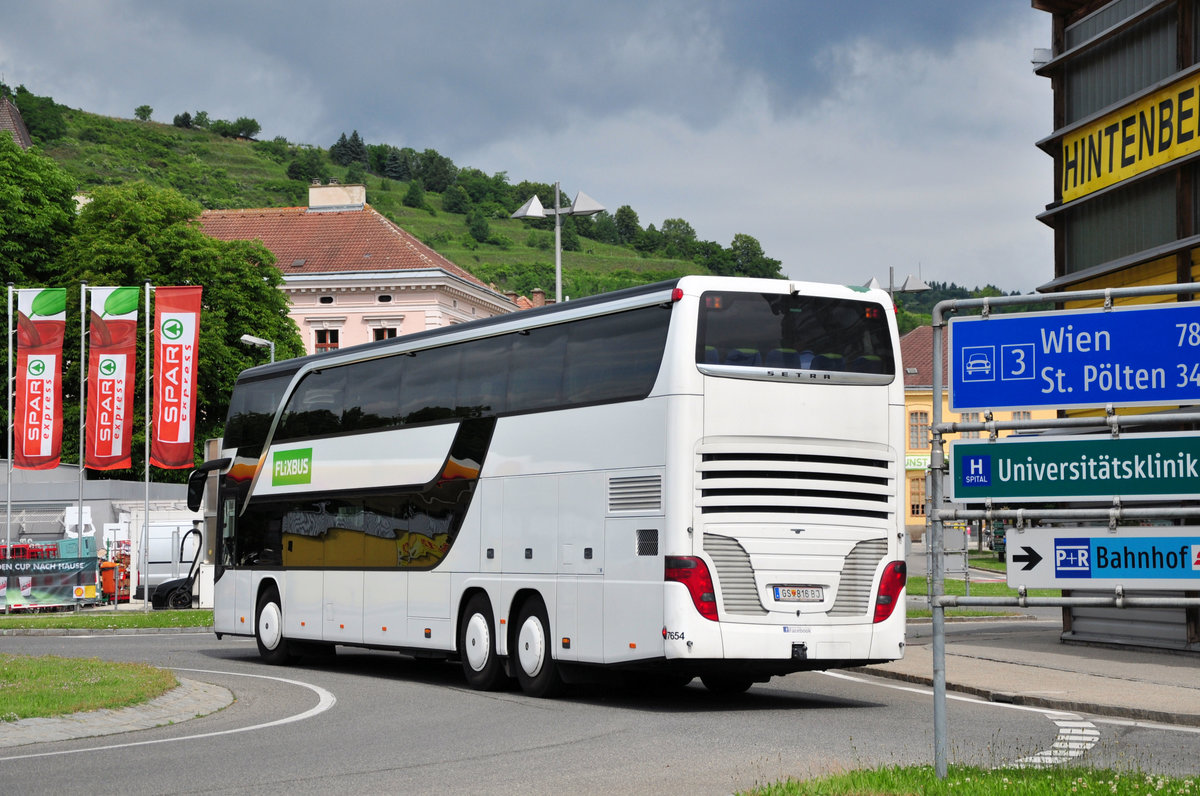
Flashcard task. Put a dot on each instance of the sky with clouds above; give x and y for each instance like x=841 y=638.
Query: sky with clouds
x=846 y=137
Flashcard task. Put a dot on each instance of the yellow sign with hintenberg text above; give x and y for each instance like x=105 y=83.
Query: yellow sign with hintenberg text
x=1157 y=129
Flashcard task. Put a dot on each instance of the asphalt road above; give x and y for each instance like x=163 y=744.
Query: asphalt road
x=370 y=722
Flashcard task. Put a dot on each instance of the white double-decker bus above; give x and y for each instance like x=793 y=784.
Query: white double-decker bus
x=699 y=477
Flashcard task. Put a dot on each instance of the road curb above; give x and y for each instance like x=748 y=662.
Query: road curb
x=98 y=631
x=1065 y=705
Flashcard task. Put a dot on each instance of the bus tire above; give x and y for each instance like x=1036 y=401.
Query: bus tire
x=537 y=671
x=268 y=629
x=727 y=683
x=477 y=646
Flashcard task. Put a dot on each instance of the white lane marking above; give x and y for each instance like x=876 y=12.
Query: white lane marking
x=325 y=701
x=1075 y=736
x=1074 y=739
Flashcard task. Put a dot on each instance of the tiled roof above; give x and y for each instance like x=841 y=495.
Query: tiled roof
x=326 y=242
x=916 y=352
x=10 y=119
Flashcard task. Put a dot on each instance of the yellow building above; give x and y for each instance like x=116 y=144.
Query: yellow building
x=916 y=355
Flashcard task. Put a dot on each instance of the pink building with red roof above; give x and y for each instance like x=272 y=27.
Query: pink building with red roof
x=351 y=275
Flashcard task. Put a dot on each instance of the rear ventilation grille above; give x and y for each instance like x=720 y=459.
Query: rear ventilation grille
x=828 y=483
x=739 y=594
x=647 y=541
x=641 y=494
x=858 y=573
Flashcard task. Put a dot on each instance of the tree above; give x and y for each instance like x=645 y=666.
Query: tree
x=201 y=120
x=395 y=167
x=245 y=127
x=415 y=196
x=37 y=213
x=356 y=174
x=356 y=150
x=749 y=260
x=628 y=226
x=679 y=238
x=183 y=120
x=455 y=200
x=43 y=117
x=309 y=165
x=477 y=225
x=569 y=235
x=137 y=233
x=604 y=229
x=337 y=152
x=437 y=172
x=142 y=113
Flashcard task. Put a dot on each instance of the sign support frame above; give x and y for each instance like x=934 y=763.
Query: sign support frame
x=935 y=514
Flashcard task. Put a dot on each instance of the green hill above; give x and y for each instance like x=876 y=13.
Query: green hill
x=226 y=172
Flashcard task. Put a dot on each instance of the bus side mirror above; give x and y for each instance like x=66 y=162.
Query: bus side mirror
x=197 y=479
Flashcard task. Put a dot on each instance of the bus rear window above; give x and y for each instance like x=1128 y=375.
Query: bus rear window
x=794 y=332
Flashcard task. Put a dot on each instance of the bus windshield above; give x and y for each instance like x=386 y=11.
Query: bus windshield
x=794 y=332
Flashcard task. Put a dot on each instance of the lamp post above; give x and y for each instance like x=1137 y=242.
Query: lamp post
x=583 y=205
x=912 y=284
x=259 y=342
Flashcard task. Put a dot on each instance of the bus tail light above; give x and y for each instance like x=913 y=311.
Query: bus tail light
x=693 y=573
x=895 y=576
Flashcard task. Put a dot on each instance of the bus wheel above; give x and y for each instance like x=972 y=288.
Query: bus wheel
x=268 y=629
x=477 y=646
x=726 y=683
x=537 y=671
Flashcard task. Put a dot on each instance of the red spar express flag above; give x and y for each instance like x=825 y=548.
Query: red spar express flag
x=177 y=340
x=41 y=322
x=111 y=355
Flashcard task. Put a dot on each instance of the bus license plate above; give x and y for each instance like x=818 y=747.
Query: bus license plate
x=799 y=594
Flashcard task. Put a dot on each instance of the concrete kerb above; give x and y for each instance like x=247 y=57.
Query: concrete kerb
x=189 y=700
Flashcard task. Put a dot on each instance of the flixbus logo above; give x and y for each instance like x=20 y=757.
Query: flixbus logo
x=292 y=467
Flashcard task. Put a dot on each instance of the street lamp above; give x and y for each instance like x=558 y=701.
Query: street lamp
x=259 y=342
x=583 y=205
x=912 y=284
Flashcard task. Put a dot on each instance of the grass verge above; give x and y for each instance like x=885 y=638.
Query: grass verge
x=51 y=686
x=105 y=620
x=983 y=782
x=918 y=584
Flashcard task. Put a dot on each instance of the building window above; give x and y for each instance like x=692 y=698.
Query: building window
x=1022 y=416
x=327 y=339
x=326 y=299
x=970 y=417
x=384 y=333
x=916 y=496
x=384 y=299
x=918 y=430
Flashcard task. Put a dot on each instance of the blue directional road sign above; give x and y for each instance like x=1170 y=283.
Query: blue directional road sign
x=1128 y=356
x=1166 y=558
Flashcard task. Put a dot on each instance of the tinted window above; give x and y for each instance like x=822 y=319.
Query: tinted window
x=594 y=360
x=251 y=410
x=373 y=394
x=794 y=332
x=615 y=357
x=483 y=376
x=315 y=407
x=429 y=385
x=536 y=375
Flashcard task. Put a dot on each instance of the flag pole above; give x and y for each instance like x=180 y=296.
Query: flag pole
x=149 y=430
x=82 y=406
x=11 y=420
